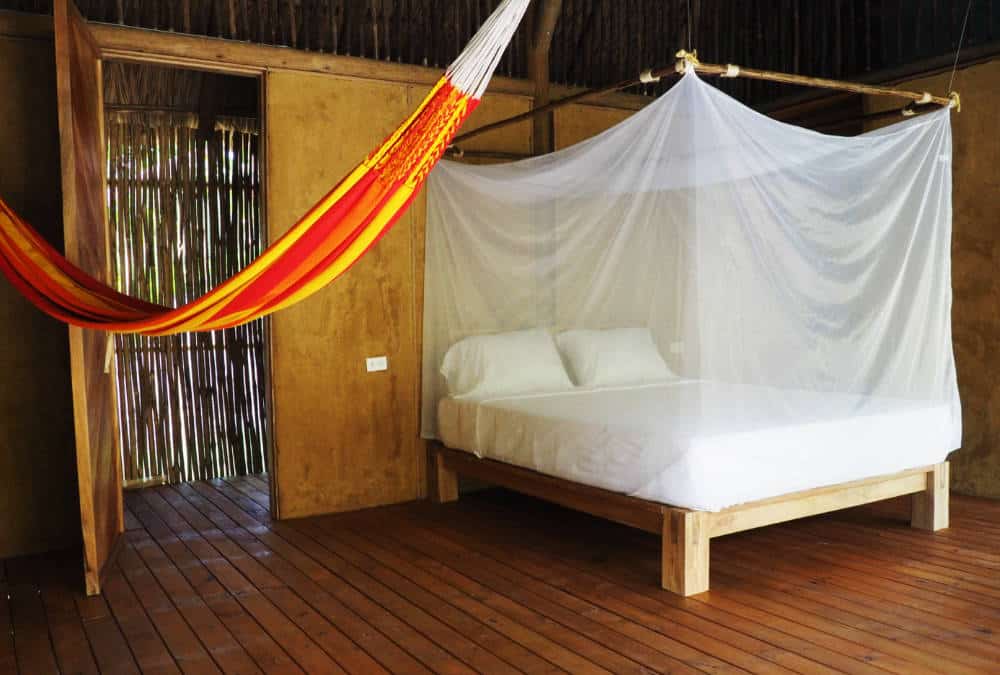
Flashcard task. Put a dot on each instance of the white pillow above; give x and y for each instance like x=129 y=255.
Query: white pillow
x=620 y=356
x=520 y=362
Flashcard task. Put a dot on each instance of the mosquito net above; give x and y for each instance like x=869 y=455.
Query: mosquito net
x=757 y=253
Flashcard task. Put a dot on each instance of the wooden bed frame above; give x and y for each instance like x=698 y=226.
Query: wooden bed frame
x=686 y=534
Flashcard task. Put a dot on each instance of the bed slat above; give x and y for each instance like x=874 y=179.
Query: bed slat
x=620 y=508
x=686 y=534
x=820 y=500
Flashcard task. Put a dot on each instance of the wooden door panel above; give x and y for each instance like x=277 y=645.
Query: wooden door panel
x=81 y=133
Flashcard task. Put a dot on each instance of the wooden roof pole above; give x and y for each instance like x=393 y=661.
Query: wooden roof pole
x=545 y=16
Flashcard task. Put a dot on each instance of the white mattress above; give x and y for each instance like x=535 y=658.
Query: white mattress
x=700 y=445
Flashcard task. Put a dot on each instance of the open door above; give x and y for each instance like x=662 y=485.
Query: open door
x=81 y=132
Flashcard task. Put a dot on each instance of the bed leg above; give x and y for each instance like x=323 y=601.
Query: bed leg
x=685 y=551
x=930 y=507
x=443 y=481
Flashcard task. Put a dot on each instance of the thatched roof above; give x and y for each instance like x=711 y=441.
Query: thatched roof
x=596 y=42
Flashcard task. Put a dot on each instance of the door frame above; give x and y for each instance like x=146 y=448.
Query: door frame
x=80 y=104
x=140 y=52
x=145 y=56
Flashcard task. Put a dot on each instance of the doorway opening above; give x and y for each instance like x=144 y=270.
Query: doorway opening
x=185 y=212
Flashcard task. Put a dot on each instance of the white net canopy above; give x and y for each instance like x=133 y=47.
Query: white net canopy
x=756 y=252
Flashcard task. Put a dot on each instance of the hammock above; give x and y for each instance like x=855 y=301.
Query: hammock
x=321 y=246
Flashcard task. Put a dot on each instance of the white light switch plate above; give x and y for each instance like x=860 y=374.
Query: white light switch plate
x=376 y=364
x=676 y=347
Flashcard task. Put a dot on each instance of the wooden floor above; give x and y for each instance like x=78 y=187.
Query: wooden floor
x=499 y=583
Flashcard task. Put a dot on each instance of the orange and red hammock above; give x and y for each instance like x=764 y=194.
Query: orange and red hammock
x=321 y=246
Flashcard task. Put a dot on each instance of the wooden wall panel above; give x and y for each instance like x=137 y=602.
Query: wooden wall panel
x=514 y=138
x=78 y=80
x=975 y=469
x=345 y=438
x=39 y=510
x=575 y=123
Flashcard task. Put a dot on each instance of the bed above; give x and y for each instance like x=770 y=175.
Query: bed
x=733 y=249
x=694 y=459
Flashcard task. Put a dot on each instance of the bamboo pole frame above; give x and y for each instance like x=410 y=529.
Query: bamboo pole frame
x=690 y=59
x=685 y=59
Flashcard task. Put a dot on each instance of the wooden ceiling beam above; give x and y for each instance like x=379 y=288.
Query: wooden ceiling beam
x=239 y=58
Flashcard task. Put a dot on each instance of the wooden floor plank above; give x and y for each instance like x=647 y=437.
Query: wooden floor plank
x=855 y=611
x=8 y=657
x=912 y=650
x=257 y=488
x=183 y=644
x=229 y=572
x=481 y=601
x=634 y=638
x=259 y=497
x=455 y=639
x=902 y=534
x=303 y=574
x=882 y=640
x=524 y=648
x=309 y=579
x=262 y=481
x=418 y=646
x=937 y=609
x=32 y=645
x=899 y=607
x=398 y=608
x=60 y=575
x=252 y=508
x=208 y=582
x=736 y=648
x=569 y=624
x=863 y=560
x=147 y=646
x=365 y=624
x=473 y=626
x=918 y=549
x=267 y=654
x=225 y=650
x=131 y=522
x=107 y=642
x=404 y=601
x=187 y=499
x=622 y=564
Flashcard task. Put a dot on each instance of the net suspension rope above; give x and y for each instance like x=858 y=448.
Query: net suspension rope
x=958 y=49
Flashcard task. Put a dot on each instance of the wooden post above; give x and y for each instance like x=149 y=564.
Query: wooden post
x=685 y=551
x=443 y=481
x=545 y=18
x=930 y=507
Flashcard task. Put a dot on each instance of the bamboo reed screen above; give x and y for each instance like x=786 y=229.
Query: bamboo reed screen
x=184 y=213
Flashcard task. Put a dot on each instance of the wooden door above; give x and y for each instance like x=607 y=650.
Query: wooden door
x=81 y=134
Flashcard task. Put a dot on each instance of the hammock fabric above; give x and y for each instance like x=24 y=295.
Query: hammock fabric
x=321 y=246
